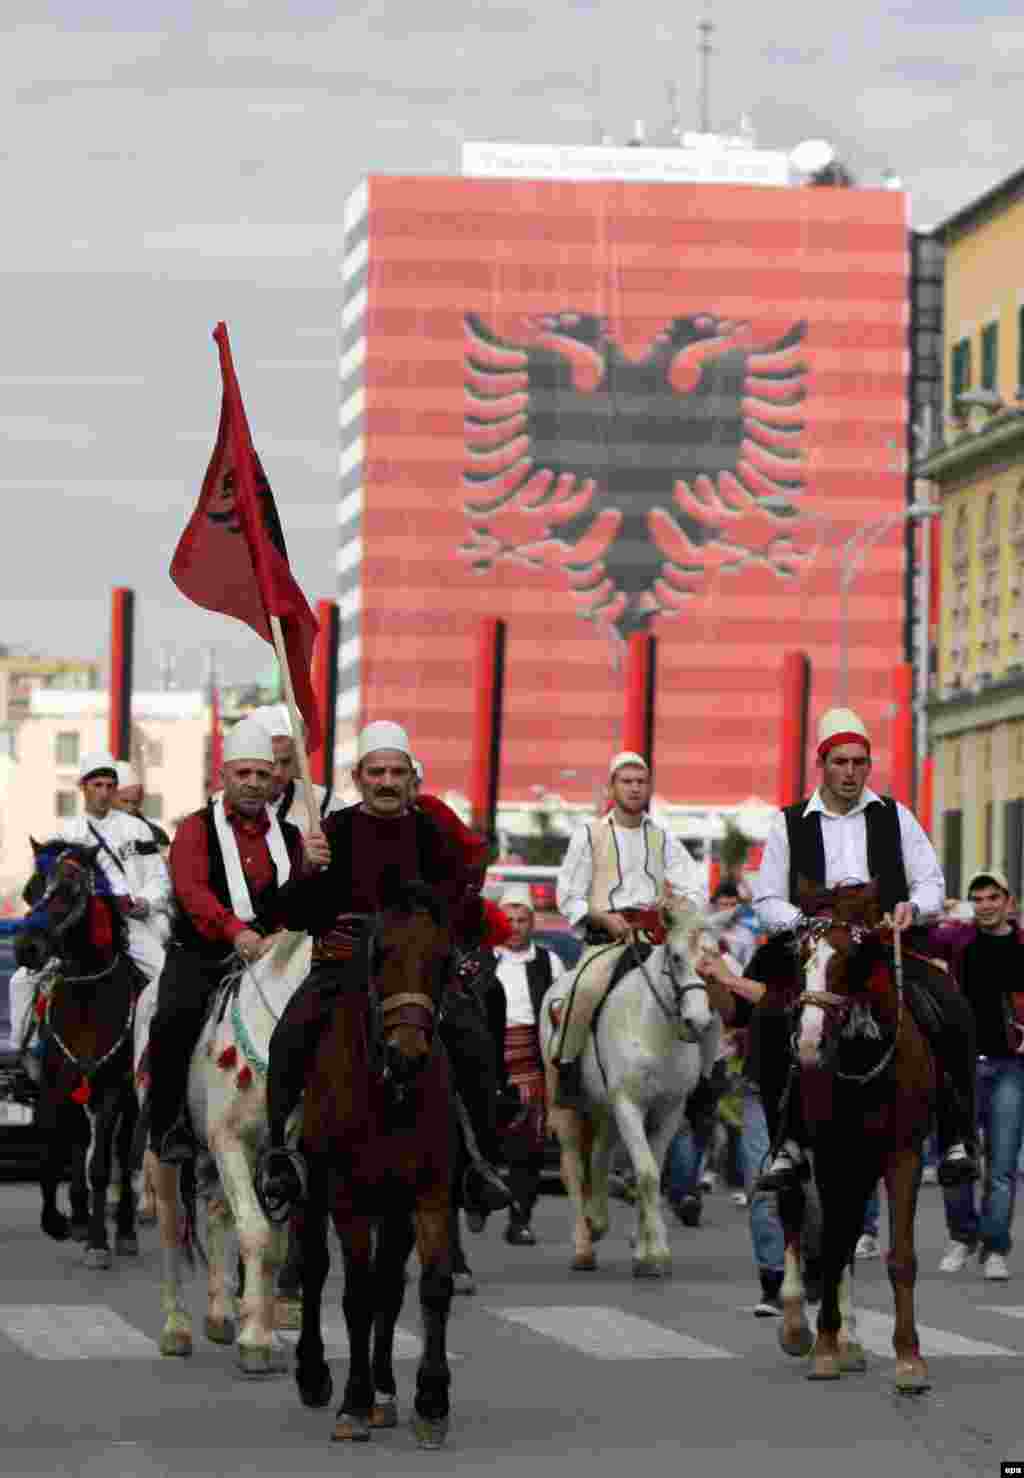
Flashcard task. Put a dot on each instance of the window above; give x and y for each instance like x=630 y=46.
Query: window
x=1013 y=843
x=990 y=357
x=66 y=802
x=952 y=843
x=960 y=377
x=68 y=746
x=153 y=807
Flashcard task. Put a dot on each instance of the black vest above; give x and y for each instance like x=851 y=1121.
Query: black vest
x=885 y=849
x=538 y=977
x=185 y=932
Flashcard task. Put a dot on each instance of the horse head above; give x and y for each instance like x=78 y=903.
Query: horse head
x=72 y=904
x=410 y=957
x=687 y=933
x=838 y=949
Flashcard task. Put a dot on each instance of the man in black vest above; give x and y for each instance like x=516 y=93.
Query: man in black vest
x=354 y=852
x=525 y=971
x=228 y=862
x=846 y=833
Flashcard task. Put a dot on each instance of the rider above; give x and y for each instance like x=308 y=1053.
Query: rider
x=129 y=799
x=129 y=857
x=288 y=797
x=845 y=833
x=228 y=862
x=615 y=866
x=357 y=849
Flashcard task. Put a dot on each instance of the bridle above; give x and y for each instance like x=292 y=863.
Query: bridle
x=837 y=1008
x=386 y=1014
x=680 y=988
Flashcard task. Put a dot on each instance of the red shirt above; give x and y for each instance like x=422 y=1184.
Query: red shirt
x=190 y=872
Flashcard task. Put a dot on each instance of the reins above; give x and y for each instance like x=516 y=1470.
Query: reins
x=841 y=1005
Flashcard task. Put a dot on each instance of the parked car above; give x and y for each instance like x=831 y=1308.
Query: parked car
x=560 y=942
x=20 y=1145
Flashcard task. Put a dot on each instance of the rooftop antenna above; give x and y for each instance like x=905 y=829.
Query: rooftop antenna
x=705 y=27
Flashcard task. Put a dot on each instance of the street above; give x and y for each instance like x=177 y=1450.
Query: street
x=547 y=1366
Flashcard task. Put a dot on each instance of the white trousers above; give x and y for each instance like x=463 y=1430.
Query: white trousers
x=22 y=989
x=146 y=947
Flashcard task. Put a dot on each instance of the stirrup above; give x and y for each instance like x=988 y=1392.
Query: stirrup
x=281 y=1182
x=784 y=1173
x=957 y=1168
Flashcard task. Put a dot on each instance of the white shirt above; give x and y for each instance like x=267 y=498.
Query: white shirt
x=846 y=860
x=511 y=972
x=141 y=874
x=637 y=889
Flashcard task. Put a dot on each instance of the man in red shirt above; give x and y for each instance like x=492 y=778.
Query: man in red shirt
x=228 y=862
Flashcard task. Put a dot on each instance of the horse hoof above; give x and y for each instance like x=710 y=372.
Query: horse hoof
x=317 y=1391
x=596 y=1229
x=79 y=1231
x=385 y=1411
x=259 y=1360
x=146 y=1214
x=288 y=1313
x=463 y=1283
x=796 y=1342
x=350 y=1428
x=98 y=1257
x=912 y=1377
x=126 y=1246
x=56 y=1225
x=583 y=1262
x=176 y=1342
x=824 y=1367
x=219 y=1331
x=430 y=1433
x=852 y=1358
x=647 y=1267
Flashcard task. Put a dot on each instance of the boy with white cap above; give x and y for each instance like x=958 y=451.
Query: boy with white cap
x=128 y=856
x=846 y=833
x=229 y=862
x=358 y=848
x=615 y=866
x=129 y=799
x=288 y=797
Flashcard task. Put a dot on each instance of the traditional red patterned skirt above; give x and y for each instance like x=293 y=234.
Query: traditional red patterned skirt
x=526 y=1074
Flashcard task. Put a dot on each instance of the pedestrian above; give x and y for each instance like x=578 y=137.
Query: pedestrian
x=986 y=959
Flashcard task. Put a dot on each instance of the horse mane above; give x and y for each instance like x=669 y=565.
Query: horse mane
x=406 y=897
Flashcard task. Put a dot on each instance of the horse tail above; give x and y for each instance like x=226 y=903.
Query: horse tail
x=191 y=1242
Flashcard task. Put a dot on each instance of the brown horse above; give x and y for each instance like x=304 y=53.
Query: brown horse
x=377 y=1130
x=868 y=1082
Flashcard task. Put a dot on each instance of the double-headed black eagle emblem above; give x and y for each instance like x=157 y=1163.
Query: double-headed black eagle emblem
x=626 y=471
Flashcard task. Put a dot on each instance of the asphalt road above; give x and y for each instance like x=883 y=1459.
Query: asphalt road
x=550 y=1368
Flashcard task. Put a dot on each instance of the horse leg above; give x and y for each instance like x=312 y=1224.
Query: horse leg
x=219 y=1324
x=842 y=1215
x=433 y=1378
x=260 y=1246
x=574 y=1136
x=288 y=1304
x=355 y=1233
x=97 y=1250
x=650 y=1250
x=902 y=1180
x=312 y=1373
x=396 y=1237
x=596 y=1205
x=795 y=1336
x=176 y=1335
x=661 y=1135
x=78 y=1189
x=52 y=1220
x=126 y=1243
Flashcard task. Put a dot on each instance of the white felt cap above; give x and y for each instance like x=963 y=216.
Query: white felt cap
x=93 y=764
x=126 y=775
x=276 y=719
x=383 y=734
x=626 y=757
x=248 y=740
x=517 y=893
x=841 y=725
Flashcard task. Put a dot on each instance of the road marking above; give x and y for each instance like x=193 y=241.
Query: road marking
x=610 y=1334
x=408 y=1346
x=74 y=1332
x=874 y=1330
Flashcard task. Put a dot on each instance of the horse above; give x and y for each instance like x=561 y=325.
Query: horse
x=377 y=1130
x=641 y=1063
x=228 y=1108
x=85 y=1003
x=869 y=1082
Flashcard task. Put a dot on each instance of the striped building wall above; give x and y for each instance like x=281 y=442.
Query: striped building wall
x=446 y=281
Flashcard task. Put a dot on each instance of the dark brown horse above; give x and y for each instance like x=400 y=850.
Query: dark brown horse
x=868 y=1082
x=86 y=1011
x=377 y=1131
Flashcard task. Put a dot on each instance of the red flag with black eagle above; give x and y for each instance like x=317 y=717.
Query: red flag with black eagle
x=232 y=556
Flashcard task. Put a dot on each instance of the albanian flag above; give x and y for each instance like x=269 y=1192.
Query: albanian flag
x=232 y=556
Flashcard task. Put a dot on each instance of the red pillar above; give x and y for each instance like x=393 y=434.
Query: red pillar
x=902 y=784
x=325 y=690
x=122 y=654
x=485 y=760
x=641 y=674
x=796 y=691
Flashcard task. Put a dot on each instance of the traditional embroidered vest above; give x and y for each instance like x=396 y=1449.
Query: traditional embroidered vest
x=885 y=849
x=185 y=932
x=606 y=879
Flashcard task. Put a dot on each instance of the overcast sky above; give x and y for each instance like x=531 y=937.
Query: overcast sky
x=166 y=164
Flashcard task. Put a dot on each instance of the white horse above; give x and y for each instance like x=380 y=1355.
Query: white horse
x=227 y=1103
x=640 y=1065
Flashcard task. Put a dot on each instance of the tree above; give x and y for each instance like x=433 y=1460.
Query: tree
x=733 y=851
x=544 y=847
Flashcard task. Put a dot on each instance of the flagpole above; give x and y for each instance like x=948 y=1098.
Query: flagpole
x=298 y=728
